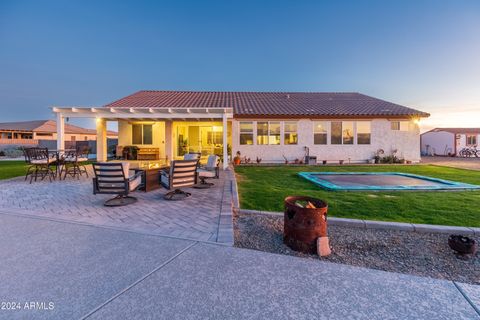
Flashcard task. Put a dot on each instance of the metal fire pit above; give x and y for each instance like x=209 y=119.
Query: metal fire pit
x=464 y=246
x=302 y=226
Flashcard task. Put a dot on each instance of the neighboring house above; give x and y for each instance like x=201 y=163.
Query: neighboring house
x=267 y=125
x=31 y=132
x=448 y=141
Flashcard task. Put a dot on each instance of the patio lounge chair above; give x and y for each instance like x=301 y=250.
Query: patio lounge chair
x=210 y=170
x=116 y=178
x=182 y=173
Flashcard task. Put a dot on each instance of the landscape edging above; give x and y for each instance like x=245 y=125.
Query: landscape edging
x=387 y=225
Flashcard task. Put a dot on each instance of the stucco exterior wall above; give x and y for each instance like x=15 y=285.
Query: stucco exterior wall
x=158 y=135
x=407 y=143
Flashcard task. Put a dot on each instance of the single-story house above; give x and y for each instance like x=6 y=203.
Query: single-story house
x=448 y=141
x=269 y=125
x=30 y=132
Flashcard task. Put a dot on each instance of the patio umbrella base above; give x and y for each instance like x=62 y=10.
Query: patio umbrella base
x=120 y=201
x=176 y=194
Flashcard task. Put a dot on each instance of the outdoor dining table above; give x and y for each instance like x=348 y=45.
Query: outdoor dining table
x=59 y=156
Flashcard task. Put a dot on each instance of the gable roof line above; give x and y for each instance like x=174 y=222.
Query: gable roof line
x=268 y=103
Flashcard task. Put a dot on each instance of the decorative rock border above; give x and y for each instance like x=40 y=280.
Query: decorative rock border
x=370 y=224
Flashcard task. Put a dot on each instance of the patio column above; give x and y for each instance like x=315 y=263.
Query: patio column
x=225 y=142
x=60 y=131
x=101 y=139
x=168 y=140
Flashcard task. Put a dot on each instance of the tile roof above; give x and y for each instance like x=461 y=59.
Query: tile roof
x=270 y=103
x=47 y=126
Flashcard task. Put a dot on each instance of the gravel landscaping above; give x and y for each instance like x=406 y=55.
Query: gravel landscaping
x=421 y=254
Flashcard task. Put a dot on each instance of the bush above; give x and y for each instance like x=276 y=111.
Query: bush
x=2 y=154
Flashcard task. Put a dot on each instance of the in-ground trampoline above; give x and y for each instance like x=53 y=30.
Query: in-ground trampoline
x=381 y=181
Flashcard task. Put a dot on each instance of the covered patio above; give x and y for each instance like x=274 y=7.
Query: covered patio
x=170 y=131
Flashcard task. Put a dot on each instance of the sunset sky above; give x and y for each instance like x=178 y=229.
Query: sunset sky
x=422 y=54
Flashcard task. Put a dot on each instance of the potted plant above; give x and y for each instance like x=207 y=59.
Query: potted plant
x=377 y=155
x=237 y=159
x=259 y=160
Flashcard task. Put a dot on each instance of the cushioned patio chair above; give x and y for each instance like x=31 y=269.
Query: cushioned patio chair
x=116 y=178
x=182 y=173
x=74 y=162
x=192 y=156
x=210 y=170
x=40 y=164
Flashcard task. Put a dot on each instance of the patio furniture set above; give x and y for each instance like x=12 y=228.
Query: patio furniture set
x=42 y=163
x=117 y=178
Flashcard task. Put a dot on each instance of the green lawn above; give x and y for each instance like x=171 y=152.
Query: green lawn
x=264 y=188
x=10 y=169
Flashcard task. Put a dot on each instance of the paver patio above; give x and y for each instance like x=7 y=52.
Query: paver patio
x=90 y=272
x=206 y=215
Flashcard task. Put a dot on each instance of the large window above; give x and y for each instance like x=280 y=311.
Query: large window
x=320 y=132
x=246 y=133
x=399 y=125
x=471 y=140
x=268 y=132
x=363 y=132
x=290 y=132
x=142 y=134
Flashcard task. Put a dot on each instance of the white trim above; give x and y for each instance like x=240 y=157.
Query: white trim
x=144 y=113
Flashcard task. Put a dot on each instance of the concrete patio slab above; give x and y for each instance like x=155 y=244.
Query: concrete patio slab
x=195 y=218
x=98 y=273
x=209 y=281
x=472 y=292
x=73 y=266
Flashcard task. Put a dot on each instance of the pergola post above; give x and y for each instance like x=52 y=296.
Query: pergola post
x=225 y=142
x=101 y=139
x=60 y=131
x=169 y=140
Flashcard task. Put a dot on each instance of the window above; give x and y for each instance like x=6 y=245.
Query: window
x=471 y=140
x=341 y=132
x=399 y=125
x=142 y=134
x=320 y=132
x=268 y=133
x=274 y=132
x=363 y=132
x=73 y=138
x=262 y=132
x=290 y=132
x=336 y=132
x=347 y=132
x=246 y=133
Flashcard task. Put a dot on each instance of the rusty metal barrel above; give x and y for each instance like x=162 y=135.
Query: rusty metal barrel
x=304 y=224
